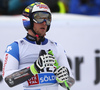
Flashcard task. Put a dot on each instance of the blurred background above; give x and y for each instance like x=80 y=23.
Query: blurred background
x=85 y=7
x=75 y=25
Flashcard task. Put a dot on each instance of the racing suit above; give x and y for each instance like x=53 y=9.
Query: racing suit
x=24 y=52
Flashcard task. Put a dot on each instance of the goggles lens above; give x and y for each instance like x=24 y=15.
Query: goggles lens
x=40 y=17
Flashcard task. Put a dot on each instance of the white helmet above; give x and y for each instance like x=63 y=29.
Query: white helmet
x=28 y=19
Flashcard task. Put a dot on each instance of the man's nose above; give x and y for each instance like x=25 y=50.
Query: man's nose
x=44 y=22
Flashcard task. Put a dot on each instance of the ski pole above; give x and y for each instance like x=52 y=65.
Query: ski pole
x=57 y=66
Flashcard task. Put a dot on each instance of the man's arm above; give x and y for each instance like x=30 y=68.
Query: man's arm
x=64 y=78
x=26 y=73
x=18 y=77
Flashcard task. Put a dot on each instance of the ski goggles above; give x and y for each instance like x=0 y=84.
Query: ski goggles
x=40 y=17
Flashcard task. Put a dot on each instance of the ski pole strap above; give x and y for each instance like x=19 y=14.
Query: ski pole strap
x=33 y=70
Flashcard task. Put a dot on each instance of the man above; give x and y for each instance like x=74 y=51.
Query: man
x=35 y=61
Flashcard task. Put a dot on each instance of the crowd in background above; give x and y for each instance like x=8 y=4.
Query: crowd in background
x=85 y=7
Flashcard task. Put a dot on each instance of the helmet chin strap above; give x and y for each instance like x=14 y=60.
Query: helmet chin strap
x=32 y=22
x=38 y=36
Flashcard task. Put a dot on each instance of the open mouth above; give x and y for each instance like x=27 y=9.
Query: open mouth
x=43 y=28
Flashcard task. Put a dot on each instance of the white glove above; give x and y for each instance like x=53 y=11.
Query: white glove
x=62 y=74
x=46 y=60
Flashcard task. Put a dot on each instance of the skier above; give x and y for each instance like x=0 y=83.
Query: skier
x=35 y=61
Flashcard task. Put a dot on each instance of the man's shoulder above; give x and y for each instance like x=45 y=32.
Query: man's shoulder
x=52 y=42
x=55 y=43
x=20 y=40
x=16 y=42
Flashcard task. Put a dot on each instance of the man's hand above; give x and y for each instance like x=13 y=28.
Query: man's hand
x=46 y=60
x=62 y=74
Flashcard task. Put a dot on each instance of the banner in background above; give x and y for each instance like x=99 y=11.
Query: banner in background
x=79 y=35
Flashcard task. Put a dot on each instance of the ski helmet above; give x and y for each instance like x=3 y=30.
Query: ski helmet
x=28 y=12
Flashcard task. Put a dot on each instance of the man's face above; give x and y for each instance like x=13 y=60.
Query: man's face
x=40 y=28
x=41 y=21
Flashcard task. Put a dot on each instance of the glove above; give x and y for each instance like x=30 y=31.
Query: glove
x=44 y=60
x=62 y=74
